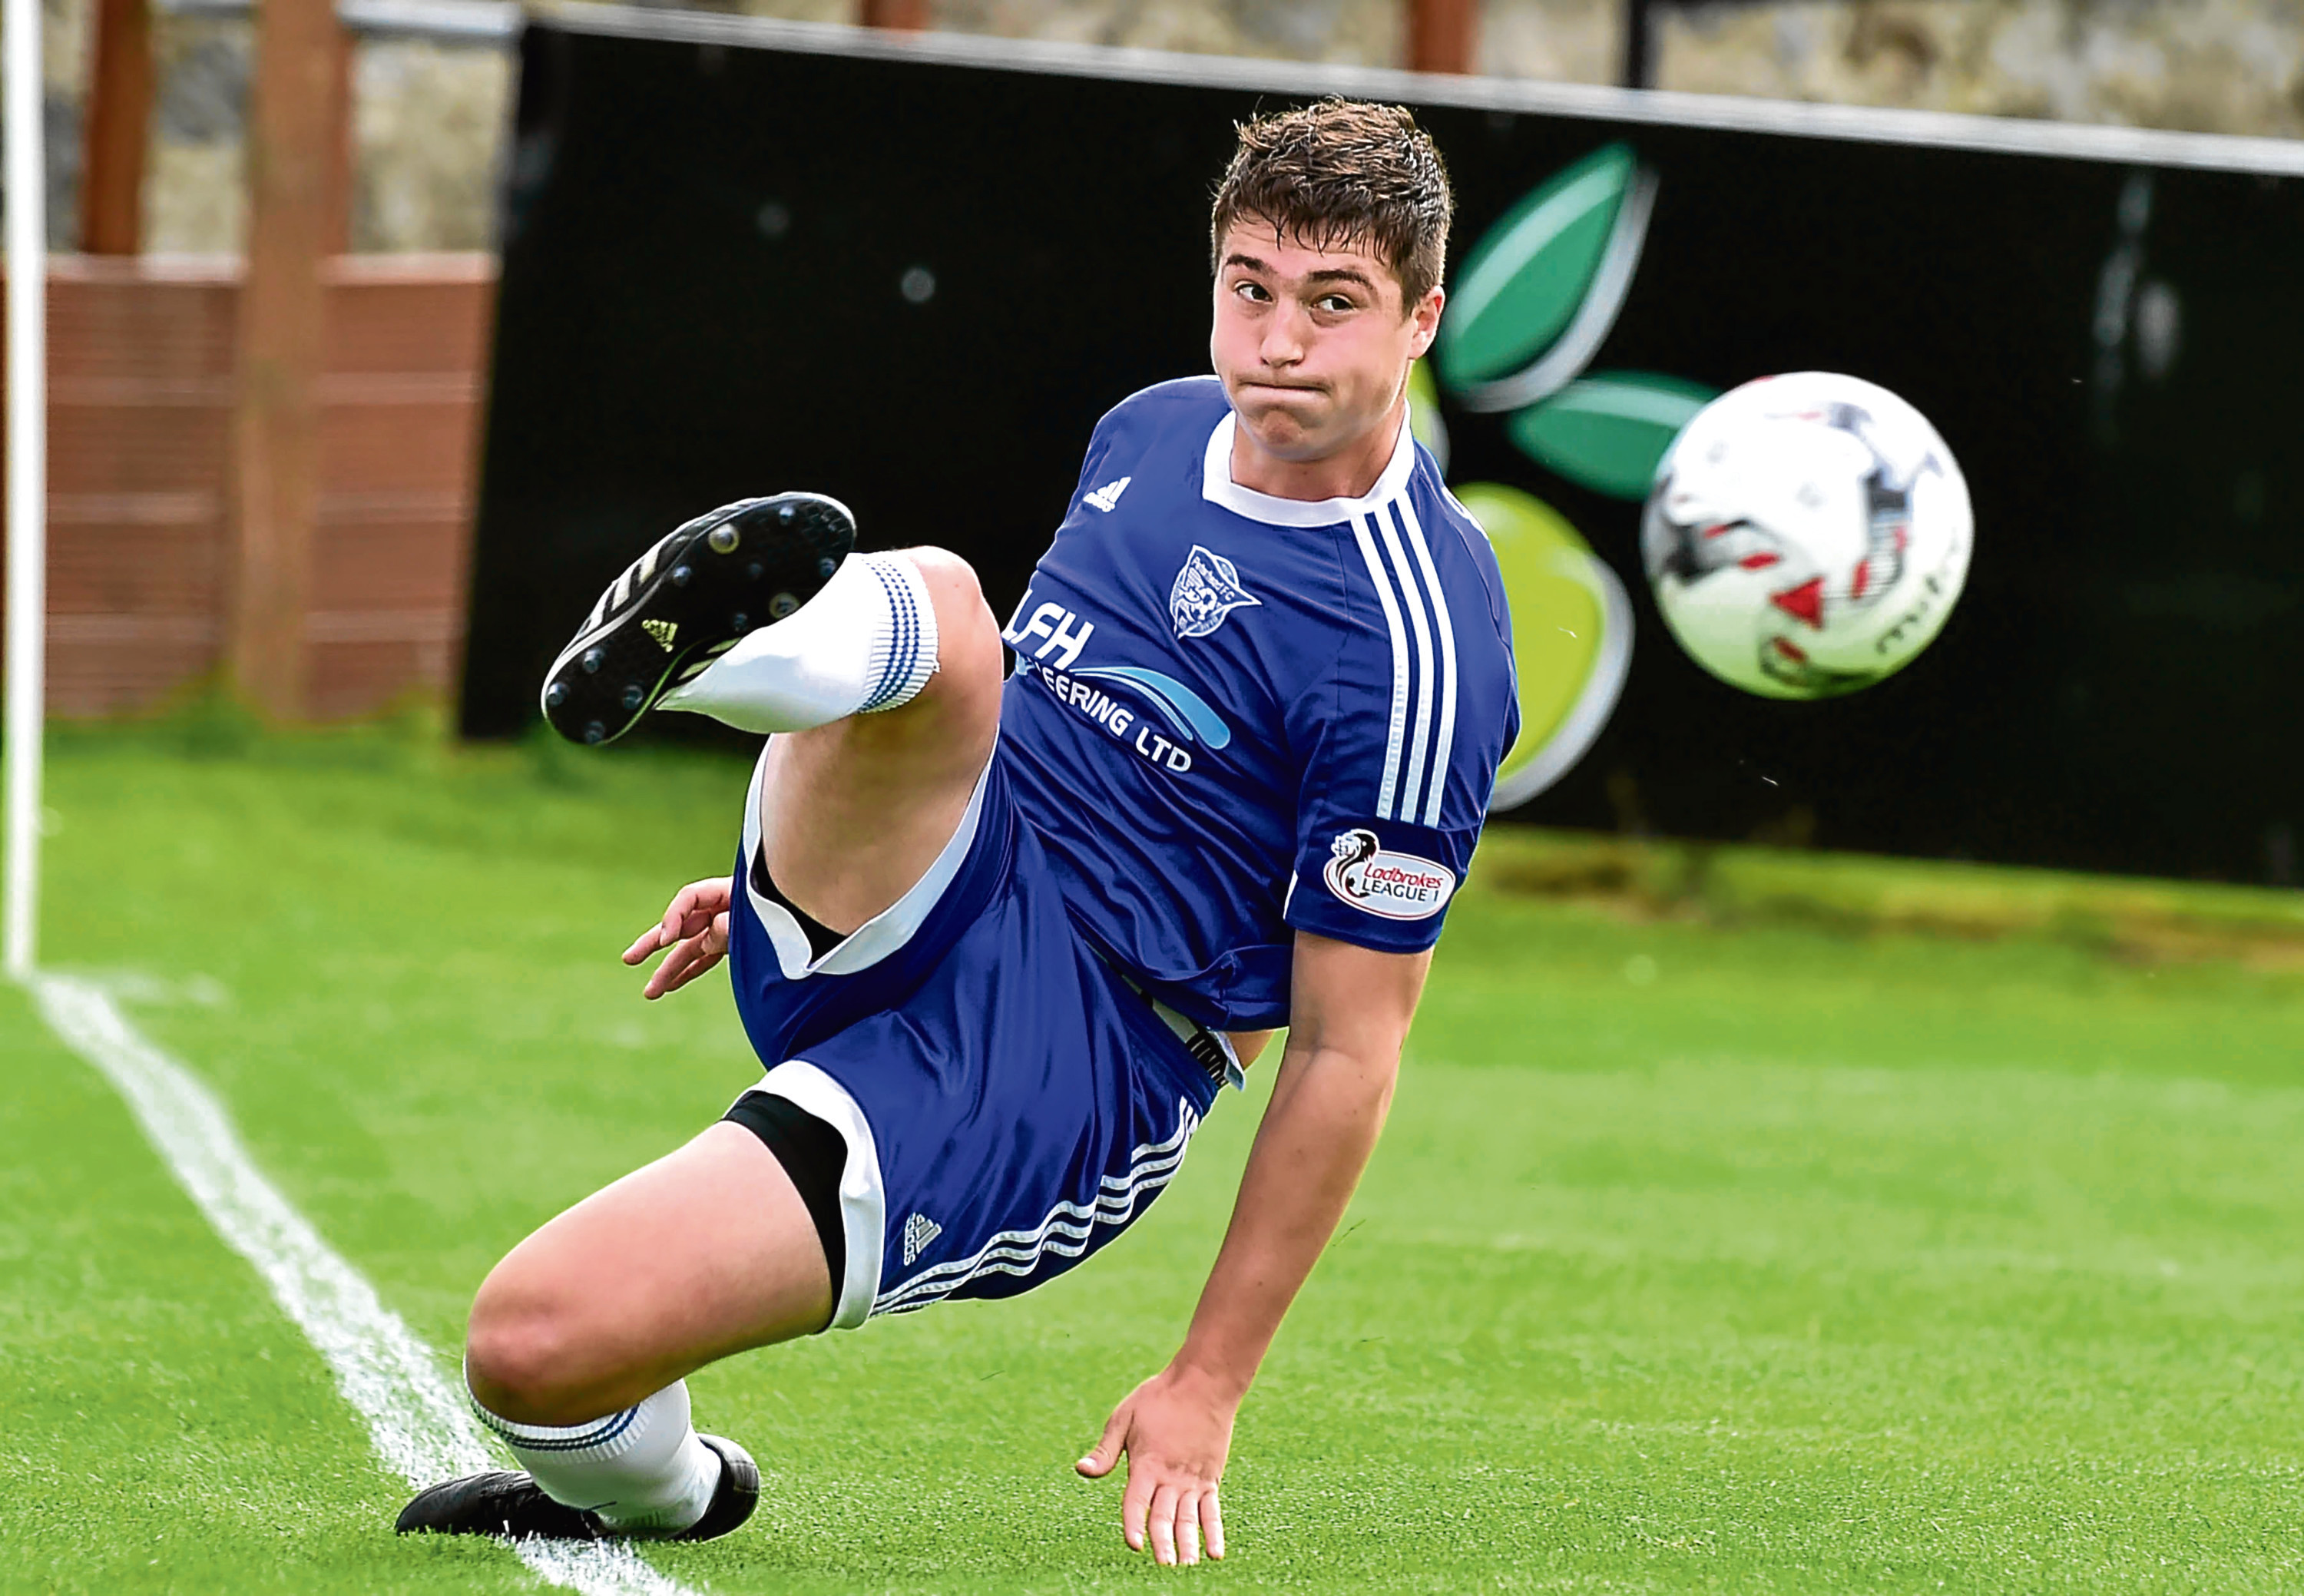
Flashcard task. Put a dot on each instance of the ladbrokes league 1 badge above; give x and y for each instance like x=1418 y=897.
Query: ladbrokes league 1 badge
x=1397 y=886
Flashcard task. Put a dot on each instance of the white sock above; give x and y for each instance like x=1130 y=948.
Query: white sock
x=866 y=642
x=642 y=1470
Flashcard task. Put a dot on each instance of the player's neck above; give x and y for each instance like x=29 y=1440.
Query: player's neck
x=1350 y=472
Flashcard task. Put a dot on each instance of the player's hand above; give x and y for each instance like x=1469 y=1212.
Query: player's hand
x=695 y=928
x=1176 y=1429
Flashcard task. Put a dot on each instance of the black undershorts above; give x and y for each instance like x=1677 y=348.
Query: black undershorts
x=812 y=1152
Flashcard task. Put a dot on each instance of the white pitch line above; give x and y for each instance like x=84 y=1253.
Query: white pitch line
x=419 y=1423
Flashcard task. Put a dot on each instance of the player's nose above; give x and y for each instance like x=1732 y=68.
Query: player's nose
x=1283 y=344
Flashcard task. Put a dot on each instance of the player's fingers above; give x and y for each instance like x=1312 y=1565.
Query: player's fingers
x=1134 y=1503
x=694 y=908
x=1162 y=1525
x=676 y=970
x=701 y=959
x=645 y=943
x=663 y=933
x=1099 y=1463
x=691 y=911
x=701 y=965
x=1212 y=1521
x=1188 y=1527
x=707 y=897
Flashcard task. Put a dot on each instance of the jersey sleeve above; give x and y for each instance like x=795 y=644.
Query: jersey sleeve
x=1403 y=739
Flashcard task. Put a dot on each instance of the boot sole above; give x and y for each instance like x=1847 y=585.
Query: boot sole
x=719 y=577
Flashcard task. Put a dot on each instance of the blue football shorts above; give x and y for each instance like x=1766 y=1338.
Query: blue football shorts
x=1009 y=1103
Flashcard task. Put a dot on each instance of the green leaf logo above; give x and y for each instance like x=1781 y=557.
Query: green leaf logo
x=1609 y=431
x=1571 y=636
x=1538 y=295
x=1536 y=299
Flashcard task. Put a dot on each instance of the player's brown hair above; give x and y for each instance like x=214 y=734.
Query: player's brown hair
x=1343 y=172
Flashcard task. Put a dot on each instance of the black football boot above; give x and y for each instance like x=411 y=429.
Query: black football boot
x=686 y=602
x=511 y=1504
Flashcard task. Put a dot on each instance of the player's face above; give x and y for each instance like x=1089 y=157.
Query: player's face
x=1313 y=346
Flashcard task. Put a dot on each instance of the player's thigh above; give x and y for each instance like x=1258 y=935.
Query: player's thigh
x=854 y=813
x=705 y=1252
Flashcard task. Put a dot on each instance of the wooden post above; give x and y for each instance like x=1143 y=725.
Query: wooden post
x=1441 y=35
x=294 y=167
x=118 y=123
x=906 y=16
x=340 y=142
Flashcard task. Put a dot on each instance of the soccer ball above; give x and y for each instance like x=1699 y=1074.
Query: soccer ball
x=1807 y=535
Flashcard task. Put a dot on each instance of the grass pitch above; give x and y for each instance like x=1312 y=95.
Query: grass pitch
x=1770 y=1257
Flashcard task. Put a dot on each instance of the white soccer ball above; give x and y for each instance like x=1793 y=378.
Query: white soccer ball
x=1807 y=535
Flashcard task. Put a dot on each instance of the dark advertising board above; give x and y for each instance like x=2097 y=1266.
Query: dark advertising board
x=755 y=257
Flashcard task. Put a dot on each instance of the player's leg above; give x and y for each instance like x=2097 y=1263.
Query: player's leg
x=881 y=672
x=711 y=1251
x=854 y=812
x=1022 y=1107
x=882 y=681
x=580 y=1340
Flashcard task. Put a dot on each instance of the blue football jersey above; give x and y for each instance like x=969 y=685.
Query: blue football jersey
x=1232 y=714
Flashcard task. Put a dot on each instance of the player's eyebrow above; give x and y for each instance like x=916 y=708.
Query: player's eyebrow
x=1329 y=273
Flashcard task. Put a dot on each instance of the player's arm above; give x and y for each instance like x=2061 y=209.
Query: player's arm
x=694 y=927
x=1349 y=1014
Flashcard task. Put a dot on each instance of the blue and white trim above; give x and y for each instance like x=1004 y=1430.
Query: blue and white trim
x=1393 y=544
x=609 y=1437
x=1444 y=628
x=882 y=935
x=904 y=657
x=1064 y=1233
x=1217 y=487
x=1399 y=559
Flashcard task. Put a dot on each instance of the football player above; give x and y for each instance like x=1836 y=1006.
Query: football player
x=1001 y=939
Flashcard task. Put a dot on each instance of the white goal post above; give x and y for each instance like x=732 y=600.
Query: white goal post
x=27 y=445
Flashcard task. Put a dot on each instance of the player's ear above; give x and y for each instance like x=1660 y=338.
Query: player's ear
x=1425 y=313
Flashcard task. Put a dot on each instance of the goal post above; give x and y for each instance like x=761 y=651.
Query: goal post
x=20 y=723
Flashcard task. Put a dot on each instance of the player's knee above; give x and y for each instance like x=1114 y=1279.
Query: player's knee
x=967 y=637
x=519 y=1357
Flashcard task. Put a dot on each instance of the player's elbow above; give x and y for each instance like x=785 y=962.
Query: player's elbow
x=1353 y=1082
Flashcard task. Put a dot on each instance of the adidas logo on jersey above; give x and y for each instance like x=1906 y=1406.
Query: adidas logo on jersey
x=663 y=631
x=1106 y=496
x=920 y=1230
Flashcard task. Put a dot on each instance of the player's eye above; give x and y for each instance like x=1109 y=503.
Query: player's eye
x=1334 y=304
x=1252 y=292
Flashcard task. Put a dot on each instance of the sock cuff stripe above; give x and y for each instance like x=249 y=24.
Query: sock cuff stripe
x=578 y=1438
x=904 y=639
x=909 y=658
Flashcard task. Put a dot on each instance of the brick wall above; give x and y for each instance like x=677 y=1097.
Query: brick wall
x=140 y=373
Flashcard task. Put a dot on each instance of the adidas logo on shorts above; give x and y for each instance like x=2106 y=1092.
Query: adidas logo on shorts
x=920 y=1230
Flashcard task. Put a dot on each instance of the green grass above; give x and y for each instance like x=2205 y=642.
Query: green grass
x=1766 y=1252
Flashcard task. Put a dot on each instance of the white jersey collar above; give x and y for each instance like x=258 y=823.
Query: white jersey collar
x=1217 y=487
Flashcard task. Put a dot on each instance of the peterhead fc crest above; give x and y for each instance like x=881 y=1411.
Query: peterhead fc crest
x=1206 y=589
x=1369 y=876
